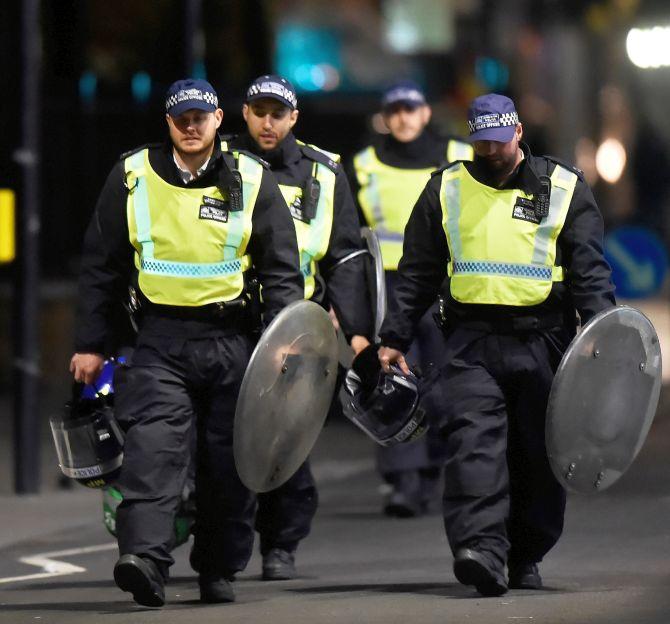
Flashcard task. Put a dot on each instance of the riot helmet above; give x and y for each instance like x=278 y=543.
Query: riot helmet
x=390 y=412
x=88 y=440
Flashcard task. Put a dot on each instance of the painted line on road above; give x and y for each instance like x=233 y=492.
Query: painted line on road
x=53 y=567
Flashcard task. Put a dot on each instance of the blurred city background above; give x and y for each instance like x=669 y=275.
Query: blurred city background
x=591 y=80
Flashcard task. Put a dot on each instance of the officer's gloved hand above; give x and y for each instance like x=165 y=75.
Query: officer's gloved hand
x=366 y=365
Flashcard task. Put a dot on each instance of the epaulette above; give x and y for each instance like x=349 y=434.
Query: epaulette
x=330 y=160
x=228 y=137
x=265 y=163
x=138 y=149
x=446 y=166
x=566 y=165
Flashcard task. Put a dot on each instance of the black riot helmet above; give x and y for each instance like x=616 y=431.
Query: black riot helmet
x=88 y=440
x=389 y=412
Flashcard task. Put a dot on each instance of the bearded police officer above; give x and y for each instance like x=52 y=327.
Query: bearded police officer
x=513 y=244
x=317 y=193
x=387 y=180
x=185 y=223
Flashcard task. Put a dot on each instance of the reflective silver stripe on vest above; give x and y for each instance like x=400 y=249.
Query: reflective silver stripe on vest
x=141 y=204
x=452 y=199
x=548 y=224
x=372 y=191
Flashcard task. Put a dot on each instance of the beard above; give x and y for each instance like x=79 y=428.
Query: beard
x=496 y=169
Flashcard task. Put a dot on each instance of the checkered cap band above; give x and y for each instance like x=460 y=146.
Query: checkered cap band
x=191 y=95
x=493 y=120
x=274 y=89
x=403 y=94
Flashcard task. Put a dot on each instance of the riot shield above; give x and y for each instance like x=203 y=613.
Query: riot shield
x=374 y=271
x=285 y=395
x=603 y=400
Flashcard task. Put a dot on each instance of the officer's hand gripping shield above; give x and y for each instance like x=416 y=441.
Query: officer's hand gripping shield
x=390 y=413
x=603 y=400
x=285 y=395
x=88 y=440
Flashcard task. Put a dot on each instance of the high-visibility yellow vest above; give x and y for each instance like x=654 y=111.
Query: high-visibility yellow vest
x=313 y=235
x=387 y=195
x=501 y=253
x=189 y=247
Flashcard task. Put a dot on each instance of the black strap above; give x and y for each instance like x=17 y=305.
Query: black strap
x=230 y=182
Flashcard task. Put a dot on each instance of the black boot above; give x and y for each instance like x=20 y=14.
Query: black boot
x=141 y=577
x=215 y=588
x=405 y=498
x=279 y=565
x=472 y=567
x=524 y=576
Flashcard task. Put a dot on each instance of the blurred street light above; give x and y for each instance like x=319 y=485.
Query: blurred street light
x=610 y=160
x=649 y=48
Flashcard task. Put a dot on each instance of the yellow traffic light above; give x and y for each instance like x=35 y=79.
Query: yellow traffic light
x=7 y=237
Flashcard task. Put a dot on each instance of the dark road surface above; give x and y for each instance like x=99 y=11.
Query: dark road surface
x=611 y=566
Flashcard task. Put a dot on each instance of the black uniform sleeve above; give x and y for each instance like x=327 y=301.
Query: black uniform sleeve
x=346 y=286
x=274 y=249
x=106 y=267
x=422 y=268
x=581 y=243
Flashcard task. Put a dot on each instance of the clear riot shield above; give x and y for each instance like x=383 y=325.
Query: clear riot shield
x=603 y=400
x=285 y=395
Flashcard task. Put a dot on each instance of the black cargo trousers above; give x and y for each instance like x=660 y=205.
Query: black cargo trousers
x=500 y=494
x=176 y=381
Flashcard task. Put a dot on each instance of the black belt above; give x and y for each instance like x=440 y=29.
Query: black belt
x=511 y=325
x=227 y=311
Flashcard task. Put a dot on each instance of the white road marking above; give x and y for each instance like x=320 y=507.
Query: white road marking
x=53 y=567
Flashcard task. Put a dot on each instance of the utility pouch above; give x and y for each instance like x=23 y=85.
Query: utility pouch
x=253 y=289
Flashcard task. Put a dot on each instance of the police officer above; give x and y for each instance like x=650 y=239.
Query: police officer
x=316 y=190
x=388 y=178
x=185 y=223
x=513 y=243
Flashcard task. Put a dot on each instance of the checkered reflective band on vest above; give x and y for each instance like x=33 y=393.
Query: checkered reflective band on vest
x=313 y=236
x=189 y=247
x=388 y=194
x=501 y=253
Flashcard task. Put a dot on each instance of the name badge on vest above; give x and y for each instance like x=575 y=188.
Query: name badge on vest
x=524 y=210
x=214 y=209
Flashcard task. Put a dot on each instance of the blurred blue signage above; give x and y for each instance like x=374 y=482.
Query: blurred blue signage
x=639 y=261
x=140 y=86
x=492 y=73
x=309 y=56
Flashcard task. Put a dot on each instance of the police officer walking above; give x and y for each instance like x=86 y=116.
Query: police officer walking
x=185 y=223
x=316 y=190
x=388 y=178
x=513 y=243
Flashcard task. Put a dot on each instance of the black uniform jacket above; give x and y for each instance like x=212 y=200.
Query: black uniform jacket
x=342 y=285
x=107 y=261
x=422 y=271
x=427 y=150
